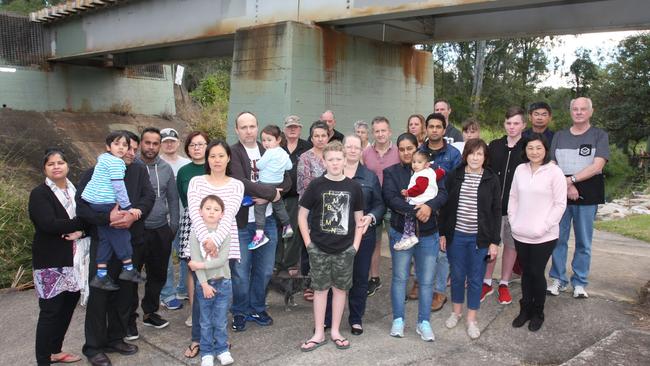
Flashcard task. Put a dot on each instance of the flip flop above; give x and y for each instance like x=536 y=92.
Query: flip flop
x=65 y=358
x=193 y=351
x=341 y=346
x=315 y=345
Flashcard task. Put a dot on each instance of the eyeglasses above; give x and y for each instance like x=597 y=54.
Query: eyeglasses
x=196 y=146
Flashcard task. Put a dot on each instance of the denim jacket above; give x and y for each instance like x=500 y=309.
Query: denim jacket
x=372 y=198
x=396 y=178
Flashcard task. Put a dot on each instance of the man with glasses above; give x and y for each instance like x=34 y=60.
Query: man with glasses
x=540 y=116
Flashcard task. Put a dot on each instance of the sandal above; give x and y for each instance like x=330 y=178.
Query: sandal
x=64 y=357
x=308 y=294
x=192 y=350
x=315 y=345
x=340 y=343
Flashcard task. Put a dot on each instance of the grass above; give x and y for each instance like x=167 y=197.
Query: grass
x=635 y=226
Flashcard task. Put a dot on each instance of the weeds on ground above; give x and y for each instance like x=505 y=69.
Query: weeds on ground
x=634 y=226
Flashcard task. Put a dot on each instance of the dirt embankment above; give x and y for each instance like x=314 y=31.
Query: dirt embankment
x=25 y=135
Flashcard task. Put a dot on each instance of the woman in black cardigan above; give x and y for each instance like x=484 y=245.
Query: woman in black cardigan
x=470 y=225
x=52 y=211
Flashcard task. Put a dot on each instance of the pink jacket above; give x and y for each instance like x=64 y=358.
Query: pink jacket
x=537 y=203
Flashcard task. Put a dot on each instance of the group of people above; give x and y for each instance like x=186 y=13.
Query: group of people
x=445 y=198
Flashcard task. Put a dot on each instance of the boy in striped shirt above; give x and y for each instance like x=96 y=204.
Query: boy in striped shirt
x=105 y=188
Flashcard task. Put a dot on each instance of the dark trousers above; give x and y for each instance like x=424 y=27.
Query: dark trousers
x=107 y=312
x=154 y=255
x=53 y=321
x=279 y=210
x=533 y=259
x=112 y=240
x=287 y=254
x=359 y=292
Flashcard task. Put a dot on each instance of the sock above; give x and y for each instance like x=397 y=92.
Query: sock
x=487 y=281
x=102 y=272
x=127 y=266
x=502 y=282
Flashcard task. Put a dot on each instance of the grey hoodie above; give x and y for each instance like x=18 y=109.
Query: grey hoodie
x=163 y=182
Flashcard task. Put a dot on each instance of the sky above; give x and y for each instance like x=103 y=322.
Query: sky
x=605 y=42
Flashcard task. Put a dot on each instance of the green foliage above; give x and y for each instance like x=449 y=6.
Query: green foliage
x=27 y=6
x=16 y=231
x=585 y=73
x=618 y=174
x=213 y=89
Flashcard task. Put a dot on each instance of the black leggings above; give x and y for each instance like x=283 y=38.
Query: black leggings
x=533 y=259
x=53 y=321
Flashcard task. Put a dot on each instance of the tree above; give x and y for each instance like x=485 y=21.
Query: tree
x=27 y=6
x=585 y=73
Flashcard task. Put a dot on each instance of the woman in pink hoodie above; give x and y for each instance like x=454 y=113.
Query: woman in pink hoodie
x=537 y=202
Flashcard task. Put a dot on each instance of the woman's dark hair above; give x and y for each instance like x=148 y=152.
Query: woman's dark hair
x=472 y=145
x=317 y=124
x=272 y=130
x=117 y=135
x=409 y=137
x=536 y=137
x=212 y=197
x=190 y=136
x=212 y=144
x=51 y=151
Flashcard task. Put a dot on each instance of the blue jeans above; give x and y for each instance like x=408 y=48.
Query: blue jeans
x=214 y=319
x=196 y=312
x=442 y=273
x=111 y=240
x=252 y=273
x=583 y=217
x=167 y=293
x=467 y=262
x=425 y=253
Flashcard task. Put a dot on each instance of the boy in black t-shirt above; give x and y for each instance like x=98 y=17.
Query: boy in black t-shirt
x=330 y=210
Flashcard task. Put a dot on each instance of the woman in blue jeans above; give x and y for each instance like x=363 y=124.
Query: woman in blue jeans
x=396 y=178
x=470 y=227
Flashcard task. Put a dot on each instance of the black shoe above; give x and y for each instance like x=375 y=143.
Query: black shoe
x=262 y=318
x=104 y=283
x=154 y=320
x=356 y=331
x=100 y=359
x=131 y=332
x=374 y=284
x=239 y=323
x=122 y=348
x=132 y=275
x=537 y=319
x=524 y=315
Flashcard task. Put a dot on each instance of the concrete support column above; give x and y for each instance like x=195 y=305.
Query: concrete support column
x=294 y=68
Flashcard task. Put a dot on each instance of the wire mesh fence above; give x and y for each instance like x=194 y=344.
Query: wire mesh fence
x=22 y=43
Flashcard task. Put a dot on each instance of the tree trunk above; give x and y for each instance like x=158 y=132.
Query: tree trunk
x=479 y=71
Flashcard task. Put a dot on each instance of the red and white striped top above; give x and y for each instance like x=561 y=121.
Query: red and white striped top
x=231 y=193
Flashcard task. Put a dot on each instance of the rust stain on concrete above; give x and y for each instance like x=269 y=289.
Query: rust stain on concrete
x=414 y=63
x=334 y=44
x=255 y=49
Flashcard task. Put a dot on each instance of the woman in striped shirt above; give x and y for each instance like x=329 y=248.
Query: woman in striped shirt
x=470 y=230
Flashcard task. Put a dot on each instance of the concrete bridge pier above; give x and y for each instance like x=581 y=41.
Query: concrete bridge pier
x=295 y=68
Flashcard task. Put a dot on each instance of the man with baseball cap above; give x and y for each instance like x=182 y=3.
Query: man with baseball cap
x=171 y=297
x=288 y=251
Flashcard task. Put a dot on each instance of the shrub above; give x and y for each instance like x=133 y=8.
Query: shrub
x=618 y=174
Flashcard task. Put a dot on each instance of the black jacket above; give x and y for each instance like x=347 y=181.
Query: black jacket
x=503 y=161
x=396 y=178
x=51 y=220
x=141 y=195
x=373 y=202
x=488 y=202
x=303 y=145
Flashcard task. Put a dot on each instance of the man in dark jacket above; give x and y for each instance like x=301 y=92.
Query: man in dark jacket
x=108 y=312
x=504 y=154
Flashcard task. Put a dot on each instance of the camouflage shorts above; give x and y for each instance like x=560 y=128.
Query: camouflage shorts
x=330 y=270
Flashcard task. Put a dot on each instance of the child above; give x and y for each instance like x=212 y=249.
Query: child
x=213 y=288
x=271 y=167
x=105 y=188
x=329 y=212
x=422 y=188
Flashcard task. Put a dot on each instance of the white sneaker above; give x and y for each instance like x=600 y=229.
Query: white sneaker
x=473 y=330
x=207 y=360
x=225 y=358
x=188 y=321
x=555 y=288
x=397 y=330
x=401 y=245
x=579 y=292
x=453 y=319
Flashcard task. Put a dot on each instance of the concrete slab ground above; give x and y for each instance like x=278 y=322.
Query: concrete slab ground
x=605 y=329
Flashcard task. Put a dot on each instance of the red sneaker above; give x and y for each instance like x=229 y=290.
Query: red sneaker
x=486 y=290
x=504 y=295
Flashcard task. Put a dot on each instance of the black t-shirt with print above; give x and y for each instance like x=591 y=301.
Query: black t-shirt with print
x=331 y=205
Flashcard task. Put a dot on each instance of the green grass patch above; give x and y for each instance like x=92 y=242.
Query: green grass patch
x=635 y=226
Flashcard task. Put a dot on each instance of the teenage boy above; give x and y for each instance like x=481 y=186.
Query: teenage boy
x=329 y=212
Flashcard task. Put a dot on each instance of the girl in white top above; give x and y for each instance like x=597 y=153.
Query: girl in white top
x=422 y=188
